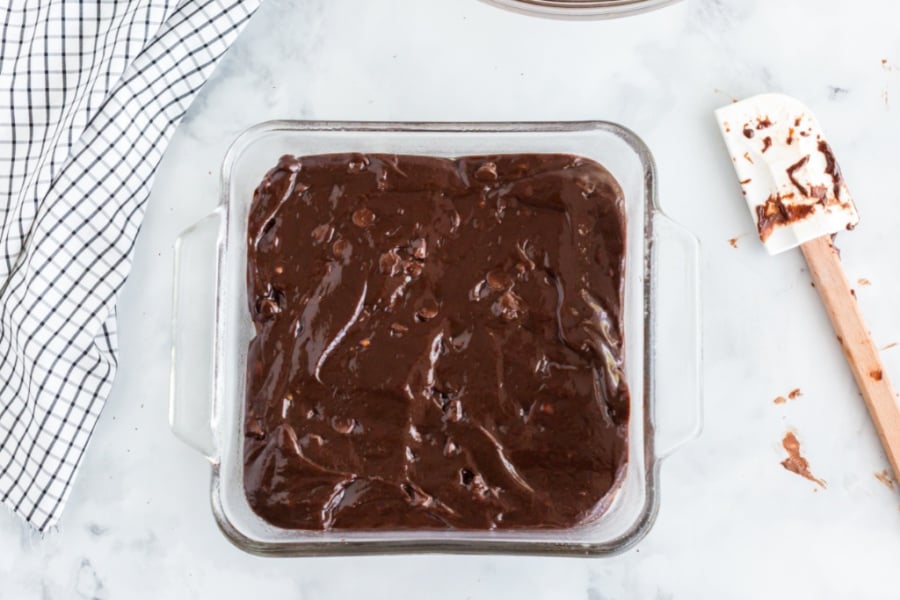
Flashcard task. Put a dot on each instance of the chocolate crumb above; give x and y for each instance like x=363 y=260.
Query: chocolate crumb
x=885 y=478
x=427 y=311
x=342 y=249
x=363 y=217
x=486 y=172
x=729 y=96
x=792 y=395
x=877 y=374
x=498 y=280
x=323 y=233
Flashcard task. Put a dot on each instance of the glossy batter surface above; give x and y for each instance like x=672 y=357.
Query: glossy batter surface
x=439 y=342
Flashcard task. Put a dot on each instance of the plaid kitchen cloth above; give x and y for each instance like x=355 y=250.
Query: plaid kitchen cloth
x=90 y=93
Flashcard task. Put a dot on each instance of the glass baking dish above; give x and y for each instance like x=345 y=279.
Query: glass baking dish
x=582 y=9
x=212 y=330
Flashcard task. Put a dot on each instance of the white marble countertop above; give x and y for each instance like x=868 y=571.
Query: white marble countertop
x=733 y=523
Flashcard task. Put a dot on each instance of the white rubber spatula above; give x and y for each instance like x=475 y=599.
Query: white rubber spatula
x=797 y=196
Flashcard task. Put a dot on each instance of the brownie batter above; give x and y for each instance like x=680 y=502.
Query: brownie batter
x=438 y=342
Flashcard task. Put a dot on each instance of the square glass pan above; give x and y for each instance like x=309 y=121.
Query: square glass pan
x=212 y=330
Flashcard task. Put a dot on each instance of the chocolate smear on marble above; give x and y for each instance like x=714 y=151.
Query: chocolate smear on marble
x=795 y=462
x=885 y=478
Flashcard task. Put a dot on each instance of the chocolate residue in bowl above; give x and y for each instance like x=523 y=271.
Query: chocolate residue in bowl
x=795 y=462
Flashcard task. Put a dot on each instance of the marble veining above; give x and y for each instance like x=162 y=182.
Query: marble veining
x=733 y=522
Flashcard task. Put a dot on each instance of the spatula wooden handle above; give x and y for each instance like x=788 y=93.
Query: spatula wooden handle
x=831 y=282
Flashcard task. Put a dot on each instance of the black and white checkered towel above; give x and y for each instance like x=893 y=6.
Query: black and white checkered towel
x=90 y=93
